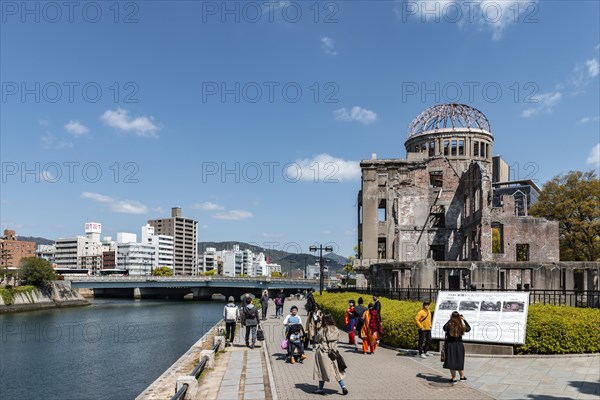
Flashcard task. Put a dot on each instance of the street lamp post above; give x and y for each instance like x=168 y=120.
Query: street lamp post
x=321 y=263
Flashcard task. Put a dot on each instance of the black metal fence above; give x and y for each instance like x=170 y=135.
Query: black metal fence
x=572 y=298
x=180 y=394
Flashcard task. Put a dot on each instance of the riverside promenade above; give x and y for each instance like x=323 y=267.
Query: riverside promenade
x=262 y=373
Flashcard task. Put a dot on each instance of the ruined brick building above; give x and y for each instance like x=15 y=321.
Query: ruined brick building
x=443 y=217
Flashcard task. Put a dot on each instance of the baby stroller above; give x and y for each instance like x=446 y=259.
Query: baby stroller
x=294 y=335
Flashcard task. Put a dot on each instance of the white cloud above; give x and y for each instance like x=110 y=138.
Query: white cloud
x=545 y=102
x=204 y=226
x=328 y=46
x=324 y=168
x=116 y=205
x=51 y=142
x=140 y=126
x=485 y=15
x=272 y=235
x=233 y=215
x=593 y=67
x=208 y=206
x=594 y=157
x=585 y=120
x=47 y=176
x=357 y=113
x=76 y=128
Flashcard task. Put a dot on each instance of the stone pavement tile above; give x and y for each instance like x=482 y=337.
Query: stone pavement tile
x=254 y=396
x=230 y=382
x=254 y=388
x=228 y=392
x=586 y=371
x=593 y=377
x=254 y=381
x=587 y=396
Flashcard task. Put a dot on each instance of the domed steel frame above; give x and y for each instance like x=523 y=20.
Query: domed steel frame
x=454 y=117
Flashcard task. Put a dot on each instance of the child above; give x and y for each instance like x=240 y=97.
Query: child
x=294 y=336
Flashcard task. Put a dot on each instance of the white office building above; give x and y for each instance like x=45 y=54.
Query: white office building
x=163 y=244
x=46 y=251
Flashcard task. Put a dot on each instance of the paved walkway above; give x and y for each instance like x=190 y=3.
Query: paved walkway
x=262 y=373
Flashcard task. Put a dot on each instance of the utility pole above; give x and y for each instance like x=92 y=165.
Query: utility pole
x=321 y=263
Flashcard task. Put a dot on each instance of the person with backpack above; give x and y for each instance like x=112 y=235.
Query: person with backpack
x=423 y=320
x=231 y=315
x=311 y=304
x=250 y=321
x=359 y=312
x=279 y=300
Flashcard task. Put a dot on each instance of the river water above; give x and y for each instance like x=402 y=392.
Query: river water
x=112 y=349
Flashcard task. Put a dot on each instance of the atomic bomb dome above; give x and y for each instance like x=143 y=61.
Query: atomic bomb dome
x=450 y=130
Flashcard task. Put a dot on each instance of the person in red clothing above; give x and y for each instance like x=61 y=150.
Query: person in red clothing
x=351 y=323
x=371 y=330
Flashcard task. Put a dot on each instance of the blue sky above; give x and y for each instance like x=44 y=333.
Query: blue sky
x=253 y=116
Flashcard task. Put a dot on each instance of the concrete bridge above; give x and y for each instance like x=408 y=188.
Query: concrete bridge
x=200 y=287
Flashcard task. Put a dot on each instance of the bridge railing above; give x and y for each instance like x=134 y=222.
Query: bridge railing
x=148 y=278
x=180 y=394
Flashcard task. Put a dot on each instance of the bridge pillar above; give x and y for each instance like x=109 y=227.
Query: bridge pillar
x=196 y=293
x=137 y=293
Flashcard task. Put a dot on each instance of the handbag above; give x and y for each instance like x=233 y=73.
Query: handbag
x=284 y=344
x=260 y=335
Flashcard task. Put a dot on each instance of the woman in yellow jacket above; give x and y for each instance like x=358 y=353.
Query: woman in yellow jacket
x=371 y=330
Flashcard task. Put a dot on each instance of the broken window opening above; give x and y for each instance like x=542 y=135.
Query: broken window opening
x=437 y=252
x=482 y=149
x=461 y=147
x=381 y=249
x=476 y=149
x=438 y=216
x=417 y=148
x=382 y=179
x=446 y=147
x=477 y=199
x=436 y=179
x=522 y=251
x=431 y=149
x=382 y=211
x=487 y=150
x=497 y=238
x=466 y=206
x=453 y=150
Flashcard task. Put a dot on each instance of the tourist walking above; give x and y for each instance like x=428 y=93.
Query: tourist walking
x=231 y=315
x=350 y=320
x=371 y=330
x=279 y=300
x=313 y=324
x=326 y=368
x=423 y=320
x=455 y=328
x=377 y=305
x=264 y=304
x=311 y=304
x=250 y=321
x=359 y=312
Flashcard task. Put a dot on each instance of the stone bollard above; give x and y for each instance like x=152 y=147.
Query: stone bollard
x=210 y=362
x=222 y=345
x=192 y=386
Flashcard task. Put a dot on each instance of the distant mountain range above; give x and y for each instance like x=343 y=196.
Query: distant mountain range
x=37 y=240
x=285 y=259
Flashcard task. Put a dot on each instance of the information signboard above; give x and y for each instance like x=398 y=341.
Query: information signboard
x=495 y=317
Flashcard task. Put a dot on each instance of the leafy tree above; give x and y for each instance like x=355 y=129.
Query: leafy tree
x=36 y=271
x=211 y=272
x=574 y=201
x=349 y=267
x=275 y=274
x=163 y=271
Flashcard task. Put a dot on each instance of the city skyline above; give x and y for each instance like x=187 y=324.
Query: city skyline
x=253 y=118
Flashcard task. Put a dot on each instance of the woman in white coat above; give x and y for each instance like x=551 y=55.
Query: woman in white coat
x=327 y=369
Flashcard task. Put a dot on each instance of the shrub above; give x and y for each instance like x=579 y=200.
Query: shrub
x=550 y=329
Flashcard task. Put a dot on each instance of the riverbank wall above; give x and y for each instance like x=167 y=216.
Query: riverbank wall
x=164 y=386
x=59 y=294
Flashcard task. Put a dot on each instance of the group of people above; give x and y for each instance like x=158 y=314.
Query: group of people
x=366 y=321
x=322 y=331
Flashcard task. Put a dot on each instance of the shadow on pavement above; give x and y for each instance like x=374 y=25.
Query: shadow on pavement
x=586 y=387
x=433 y=378
x=308 y=388
x=547 y=397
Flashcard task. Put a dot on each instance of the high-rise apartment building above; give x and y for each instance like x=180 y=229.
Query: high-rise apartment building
x=13 y=250
x=185 y=234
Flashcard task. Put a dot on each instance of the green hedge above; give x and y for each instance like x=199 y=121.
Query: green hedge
x=550 y=329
